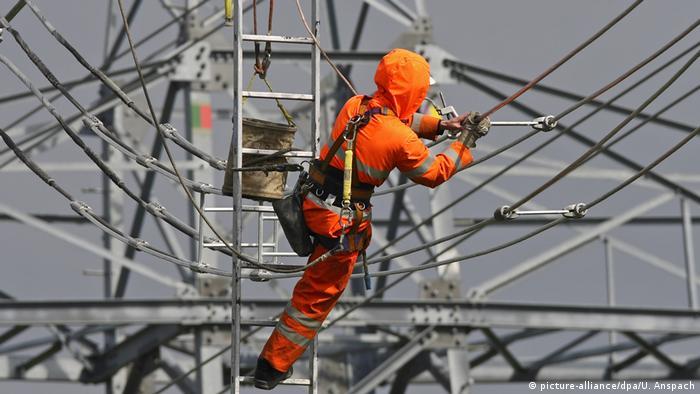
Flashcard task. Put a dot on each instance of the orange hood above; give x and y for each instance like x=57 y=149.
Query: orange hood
x=403 y=79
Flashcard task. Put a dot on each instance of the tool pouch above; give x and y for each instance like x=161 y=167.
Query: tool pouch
x=291 y=217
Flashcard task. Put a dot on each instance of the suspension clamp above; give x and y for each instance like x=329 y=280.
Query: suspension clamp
x=545 y=123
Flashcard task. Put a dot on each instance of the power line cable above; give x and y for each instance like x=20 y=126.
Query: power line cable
x=182 y=183
x=529 y=154
x=595 y=149
x=458 y=74
x=85 y=211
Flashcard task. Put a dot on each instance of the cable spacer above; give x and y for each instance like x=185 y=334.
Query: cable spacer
x=80 y=207
x=156 y=209
x=259 y=275
x=167 y=129
x=200 y=268
x=545 y=123
x=145 y=160
x=91 y=121
x=576 y=211
x=504 y=213
x=137 y=243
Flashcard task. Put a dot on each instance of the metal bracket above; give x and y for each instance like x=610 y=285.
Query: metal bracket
x=573 y=211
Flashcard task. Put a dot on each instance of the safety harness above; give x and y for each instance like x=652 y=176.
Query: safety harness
x=345 y=188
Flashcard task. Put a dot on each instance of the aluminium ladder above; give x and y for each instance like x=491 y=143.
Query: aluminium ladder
x=264 y=212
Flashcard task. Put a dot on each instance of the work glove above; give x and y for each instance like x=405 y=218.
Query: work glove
x=454 y=123
x=474 y=127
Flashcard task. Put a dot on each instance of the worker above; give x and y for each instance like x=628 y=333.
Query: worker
x=390 y=139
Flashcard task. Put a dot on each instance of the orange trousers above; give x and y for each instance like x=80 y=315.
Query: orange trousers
x=317 y=291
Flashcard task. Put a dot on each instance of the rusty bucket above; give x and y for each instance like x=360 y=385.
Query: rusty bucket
x=261 y=134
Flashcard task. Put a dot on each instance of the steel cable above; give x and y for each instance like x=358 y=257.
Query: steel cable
x=595 y=149
x=147 y=161
x=182 y=183
x=546 y=143
x=85 y=211
x=408 y=271
x=118 y=56
x=513 y=164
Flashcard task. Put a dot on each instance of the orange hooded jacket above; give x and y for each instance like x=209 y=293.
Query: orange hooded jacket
x=385 y=143
x=392 y=141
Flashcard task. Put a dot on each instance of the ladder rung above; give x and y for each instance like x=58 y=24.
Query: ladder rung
x=293 y=381
x=244 y=208
x=257 y=208
x=218 y=209
x=280 y=254
x=259 y=323
x=284 y=39
x=277 y=95
x=300 y=153
x=255 y=245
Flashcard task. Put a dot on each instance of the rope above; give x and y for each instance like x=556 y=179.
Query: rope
x=323 y=52
x=561 y=61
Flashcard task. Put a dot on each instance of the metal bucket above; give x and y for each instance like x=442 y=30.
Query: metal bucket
x=261 y=134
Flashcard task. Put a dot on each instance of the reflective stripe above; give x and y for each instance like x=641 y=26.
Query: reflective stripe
x=415 y=125
x=421 y=169
x=306 y=321
x=323 y=204
x=454 y=155
x=292 y=335
x=369 y=170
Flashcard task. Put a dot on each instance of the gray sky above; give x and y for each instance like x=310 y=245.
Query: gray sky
x=520 y=38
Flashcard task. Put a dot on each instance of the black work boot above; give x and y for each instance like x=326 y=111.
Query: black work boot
x=266 y=377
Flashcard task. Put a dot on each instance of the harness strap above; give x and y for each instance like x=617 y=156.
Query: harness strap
x=339 y=140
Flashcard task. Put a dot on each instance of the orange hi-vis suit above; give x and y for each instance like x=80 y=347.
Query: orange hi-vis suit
x=390 y=140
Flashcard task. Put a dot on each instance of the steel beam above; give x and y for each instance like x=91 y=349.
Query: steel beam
x=131 y=349
x=398 y=358
x=410 y=313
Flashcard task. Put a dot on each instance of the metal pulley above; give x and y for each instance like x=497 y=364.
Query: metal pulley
x=573 y=211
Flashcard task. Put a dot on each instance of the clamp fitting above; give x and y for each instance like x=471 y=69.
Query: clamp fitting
x=167 y=129
x=576 y=211
x=545 y=123
x=504 y=213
